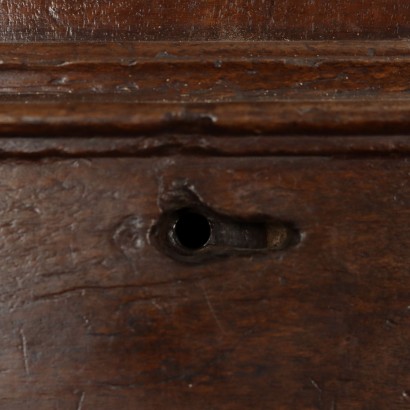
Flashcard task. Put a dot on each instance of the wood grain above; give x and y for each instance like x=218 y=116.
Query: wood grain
x=261 y=111
x=264 y=88
x=192 y=20
x=207 y=72
x=80 y=119
x=94 y=316
x=202 y=145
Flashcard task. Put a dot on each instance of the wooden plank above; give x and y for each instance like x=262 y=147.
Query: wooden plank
x=129 y=89
x=94 y=316
x=85 y=119
x=202 y=145
x=134 y=52
x=207 y=72
x=188 y=20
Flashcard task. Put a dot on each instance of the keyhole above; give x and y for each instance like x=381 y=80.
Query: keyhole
x=192 y=230
x=195 y=234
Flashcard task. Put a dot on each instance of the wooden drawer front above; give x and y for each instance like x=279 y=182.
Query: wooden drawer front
x=94 y=316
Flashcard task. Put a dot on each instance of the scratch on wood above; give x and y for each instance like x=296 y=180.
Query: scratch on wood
x=316 y=386
x=211 y=308
x=81 y=401
x=25 y=352
x=97 y=288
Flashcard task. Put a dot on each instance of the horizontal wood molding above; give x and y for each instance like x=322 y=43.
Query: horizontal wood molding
x=207 y=72
x=86 y=119
x=35 y=148
x=164 y=93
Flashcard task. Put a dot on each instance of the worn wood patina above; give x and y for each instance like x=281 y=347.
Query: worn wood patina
x=205 y=205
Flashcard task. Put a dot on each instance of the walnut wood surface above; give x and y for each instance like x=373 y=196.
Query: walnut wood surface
x=54 y=119
x=94 y=317
x=97 y=138
x=207 y=72
x=201 y=145
x=205 y=88
x=184 y=20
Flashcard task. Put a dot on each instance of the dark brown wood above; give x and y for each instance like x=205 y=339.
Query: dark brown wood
x=86 y=119
x=200 y=146
x=283 y=126
x=207 y=72
x=187 y=20
x=237 y=88
x=94 y=316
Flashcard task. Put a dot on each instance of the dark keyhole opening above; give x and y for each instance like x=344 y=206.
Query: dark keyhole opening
x=192 y=230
